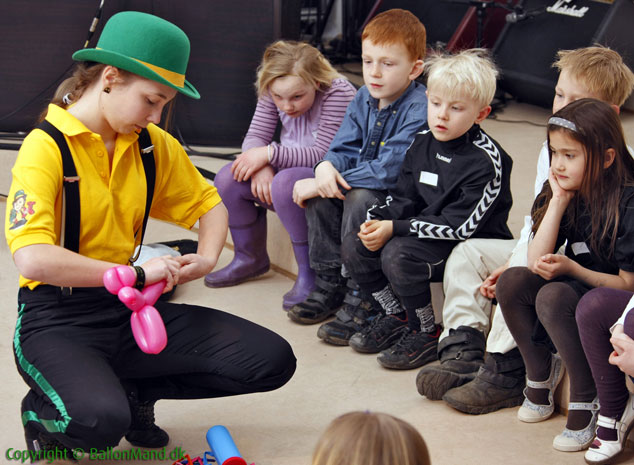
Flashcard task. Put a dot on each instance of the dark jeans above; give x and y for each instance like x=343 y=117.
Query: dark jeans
x=597 y=311
x=526 y=298
x=78 y=356
x=408 y=263
x=329 y=220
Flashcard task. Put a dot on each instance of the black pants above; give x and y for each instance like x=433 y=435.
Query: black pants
x=79 y=357
x=408 y=263
x=329 y=220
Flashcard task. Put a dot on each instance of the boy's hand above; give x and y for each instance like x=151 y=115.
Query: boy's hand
x=374 y=234
x=623 y=355
x=487 y=288
x=248 y=163
x=551 y=265
x=328 y=180
x=261 y=184
x=303 y=190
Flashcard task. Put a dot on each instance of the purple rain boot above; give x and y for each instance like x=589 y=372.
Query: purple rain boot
x=250 y=258
x=305 y=282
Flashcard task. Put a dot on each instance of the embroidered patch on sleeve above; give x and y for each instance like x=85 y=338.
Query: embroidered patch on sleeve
x=21 y=209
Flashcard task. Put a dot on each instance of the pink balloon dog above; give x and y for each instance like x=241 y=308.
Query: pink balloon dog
x=147 y=325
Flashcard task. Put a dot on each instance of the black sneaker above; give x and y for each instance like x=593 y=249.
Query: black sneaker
x=413 y=350
x=379 y=335
x=44 y=448
x=356 y=314
x=143 y=431
x=321 y=303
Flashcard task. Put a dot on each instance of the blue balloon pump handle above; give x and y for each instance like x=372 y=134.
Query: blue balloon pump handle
x=223 y=449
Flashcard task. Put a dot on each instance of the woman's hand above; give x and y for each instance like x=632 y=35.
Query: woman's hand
x=193 y=266
x=487 y=288
x=328 y=180
x=248 y=163
x=551 y=265
x=161 y=268
x=374 y=234
x=303 y=190
x=261 y=184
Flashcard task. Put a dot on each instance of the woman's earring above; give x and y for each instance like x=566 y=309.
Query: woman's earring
x=106 y=90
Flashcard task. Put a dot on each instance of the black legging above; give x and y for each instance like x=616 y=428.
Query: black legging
x=597 y=311
x=525 y=297
x=77 y=353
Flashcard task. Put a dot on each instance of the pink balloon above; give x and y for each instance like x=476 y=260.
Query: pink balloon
x=149 y=330
x=147 y=325
x=132 y=298
x=153 y=292
x=117 y=277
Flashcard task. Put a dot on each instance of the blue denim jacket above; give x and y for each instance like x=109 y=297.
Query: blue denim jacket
x=370 y=145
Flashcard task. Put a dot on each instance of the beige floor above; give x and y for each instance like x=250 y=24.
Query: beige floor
x=281 y=427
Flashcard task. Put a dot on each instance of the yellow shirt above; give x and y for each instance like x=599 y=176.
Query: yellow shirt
x=112 y=199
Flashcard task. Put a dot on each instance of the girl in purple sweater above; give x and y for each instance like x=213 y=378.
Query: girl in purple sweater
x=298 y=87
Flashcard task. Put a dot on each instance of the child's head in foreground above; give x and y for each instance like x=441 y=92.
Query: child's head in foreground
x=368 y=438
x=393 y=46
x=592 y=72
x=460 y=89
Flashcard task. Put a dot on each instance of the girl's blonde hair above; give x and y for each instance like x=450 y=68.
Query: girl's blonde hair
x=597 y=128
x=290 y=58
x=467 y=74
x=365 y=438
x=600 y=69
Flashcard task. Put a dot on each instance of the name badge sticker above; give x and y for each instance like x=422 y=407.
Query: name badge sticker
x=579 y=247
x=428 y=178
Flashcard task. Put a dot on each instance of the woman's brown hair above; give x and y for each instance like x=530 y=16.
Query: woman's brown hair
x=85 y=73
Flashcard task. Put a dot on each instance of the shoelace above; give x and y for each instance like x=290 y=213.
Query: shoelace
x=379 y=324
x=404 y=340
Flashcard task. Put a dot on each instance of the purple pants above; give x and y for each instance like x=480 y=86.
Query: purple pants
x=242 y=205
x=596 y=312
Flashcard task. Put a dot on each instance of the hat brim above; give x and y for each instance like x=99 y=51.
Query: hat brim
x=121 y=61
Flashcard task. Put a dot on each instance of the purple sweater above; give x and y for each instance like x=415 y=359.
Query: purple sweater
x=303 y=140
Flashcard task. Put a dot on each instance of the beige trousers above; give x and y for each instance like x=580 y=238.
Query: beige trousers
x=467 y=267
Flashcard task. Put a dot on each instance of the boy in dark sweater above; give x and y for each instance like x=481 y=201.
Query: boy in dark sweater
x=453 y=185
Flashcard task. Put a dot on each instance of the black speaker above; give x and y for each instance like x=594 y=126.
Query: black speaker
x=526 y=49
x=227 y=40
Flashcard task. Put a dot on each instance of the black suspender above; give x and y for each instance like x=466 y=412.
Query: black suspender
x=71 y=207
x=71 y=210
x=149 y=166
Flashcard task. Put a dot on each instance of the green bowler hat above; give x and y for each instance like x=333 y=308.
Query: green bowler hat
x=146 y=45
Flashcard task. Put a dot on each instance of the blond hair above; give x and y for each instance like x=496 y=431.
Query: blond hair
x=397 y=26
x=364 y=438
x=290 y=58
x=469 y=73
x=600 y=69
